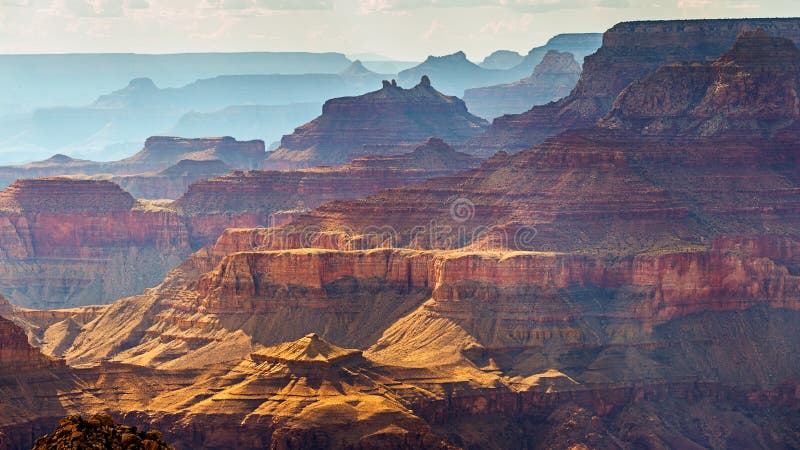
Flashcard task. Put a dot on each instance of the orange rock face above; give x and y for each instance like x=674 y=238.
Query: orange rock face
x=16 y=354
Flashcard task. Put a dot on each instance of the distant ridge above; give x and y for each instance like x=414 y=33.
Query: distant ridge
x=374 y=122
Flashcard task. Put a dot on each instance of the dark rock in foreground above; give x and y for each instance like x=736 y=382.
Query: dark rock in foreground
x=99 y=432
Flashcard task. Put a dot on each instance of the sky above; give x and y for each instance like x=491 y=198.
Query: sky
x=399 y=29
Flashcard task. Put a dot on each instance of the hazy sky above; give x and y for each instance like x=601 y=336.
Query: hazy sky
x=403 y=29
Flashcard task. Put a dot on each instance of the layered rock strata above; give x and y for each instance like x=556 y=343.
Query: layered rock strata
x=273 y=197
x=74 y=242
x=172 y=182
x=630 y=51
x=70 y=242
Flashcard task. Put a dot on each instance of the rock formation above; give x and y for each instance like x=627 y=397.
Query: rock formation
x=70 y=242
x=552 y=79
x=17 y=353
x=453 y=74
x=380 y=122
x=630 y=51
x=750 y=91
x=265 y=197
x=158 y=153
x=580 y=45
x=172 y=182
x=99 y=431
x=67 y=242
x=501 y=60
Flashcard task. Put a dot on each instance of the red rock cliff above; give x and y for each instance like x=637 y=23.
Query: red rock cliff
x=67 y=242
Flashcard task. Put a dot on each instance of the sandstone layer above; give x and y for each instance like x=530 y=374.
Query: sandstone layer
x=379 y=123
x=70 y=242
x=275 y=198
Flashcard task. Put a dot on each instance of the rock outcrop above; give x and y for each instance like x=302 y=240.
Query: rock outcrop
x=501 y=60
x=16 y=354
x=71 y=242
x=99 y=431
x=453 y=74
x=358 y=75
x=630 y=51
x=159 y=153
x=580 y=45
x=267 y=197
x=380 y=122
x=66 y=242
x=172 y=182
x=751 y=91
x=551 y=80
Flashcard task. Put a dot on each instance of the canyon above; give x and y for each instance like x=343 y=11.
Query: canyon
x=643 y=264
x=68 y=242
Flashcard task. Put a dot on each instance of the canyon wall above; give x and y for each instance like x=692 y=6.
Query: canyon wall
x=630 y=51
x=73 y=242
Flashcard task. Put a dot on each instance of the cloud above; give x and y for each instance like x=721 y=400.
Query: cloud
x=373 y=6
x=15 y=3
x=434 y=27
x=545 y=5
x=520 y=24
x=137 y=4
x=229 y=4
x=614 y=4
x=295 y=4
x=270 y=5
x=376 y=6
x=692 y=4
x=92 y=8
